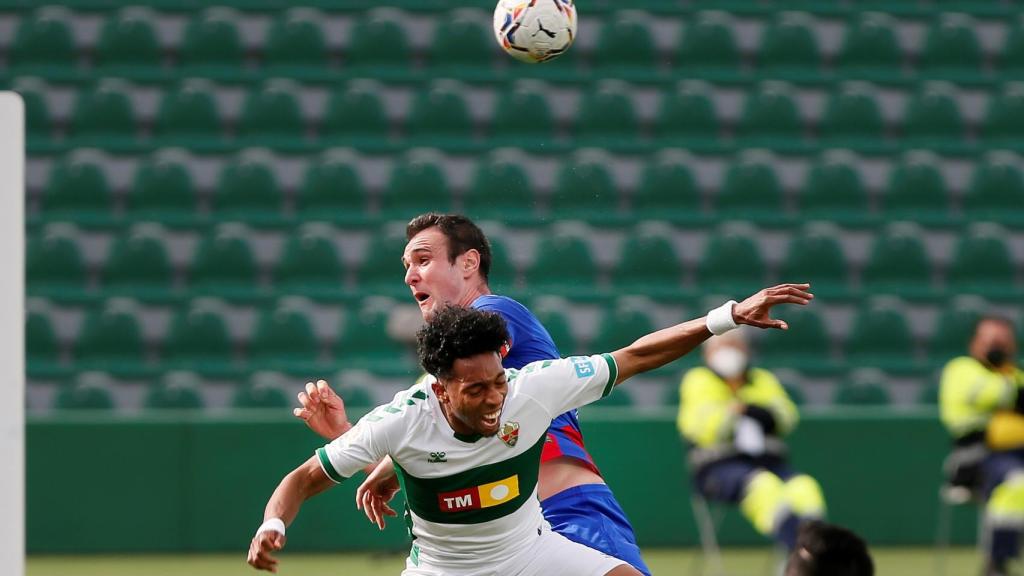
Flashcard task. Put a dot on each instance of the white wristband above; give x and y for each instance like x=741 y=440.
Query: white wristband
x=273 y=524
x=720 y=320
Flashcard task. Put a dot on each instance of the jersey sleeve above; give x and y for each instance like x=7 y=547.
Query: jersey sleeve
x=566 y=383
x=369 y=441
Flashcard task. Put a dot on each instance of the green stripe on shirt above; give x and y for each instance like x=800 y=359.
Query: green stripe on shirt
x=325 y=463
x=613 y=374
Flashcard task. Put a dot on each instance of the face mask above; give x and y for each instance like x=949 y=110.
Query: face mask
x=996 y=357
x=728 y=362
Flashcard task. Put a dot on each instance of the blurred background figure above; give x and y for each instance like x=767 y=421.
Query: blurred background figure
x=981 y=406
x=733 y=417
x=824 y=549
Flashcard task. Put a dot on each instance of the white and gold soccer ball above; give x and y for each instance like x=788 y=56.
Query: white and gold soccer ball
x=535 y=30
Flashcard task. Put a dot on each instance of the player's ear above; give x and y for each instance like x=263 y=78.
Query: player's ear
x=439 y=390
x=470 y=261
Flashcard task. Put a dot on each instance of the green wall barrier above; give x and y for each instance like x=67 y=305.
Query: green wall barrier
x=172 y=483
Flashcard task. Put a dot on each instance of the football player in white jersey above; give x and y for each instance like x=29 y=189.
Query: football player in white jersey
x=466 y=443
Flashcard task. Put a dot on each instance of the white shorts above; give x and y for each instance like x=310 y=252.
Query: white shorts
x=550 y=554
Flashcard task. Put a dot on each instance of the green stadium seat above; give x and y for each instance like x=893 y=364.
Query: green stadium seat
x=563 y=261
x=247 y=185
x=871 y=43
x=357 y=396
x=189 y=111
x=78 y=185
x=916 y=185
x=625 y=40
x=162 y=186
x=356 y=110
x=523 y=110
x=771 y=111
x=897 y=259
x=815 y=255
x=667 y=186
x=381 y=269
x=1012 y=55
x=332 y=186
x=607 y=111
x=789 y=43
x=503 y=271
x=981 y=260
x=928 y=395
x=89 y=391
x=955 y=325
x=41 y=345
x=1004 y=118
x=296 y=39
x=880 y=332
x=417 y=184
x=378 y=39
x=364 y=334
x=212 y=38
x=852 y=112
x=273 y=110
x=310 y=259
x=688 y=111
x=198 y=333
x=440 y=110
x=264 y=391
x=54 y=259
x=709 y=41
x=731 y=260
x=139 y=259
x=951 y=43
x=284 y=333
x=224 y=258
x=997 y=186
x=128 y=38
x=44 y=38
x=627 y=320
x=105 y=111
x=500 y=186
x=37 y=112
x=584 y=185
x=462 y=38
x=110 y=333
x=806 y=340
x=551 y=311
x=648 y=262
x=178 y=390
x=865 y=387
x=750 y=185
x=834 y=188
x=933 y=113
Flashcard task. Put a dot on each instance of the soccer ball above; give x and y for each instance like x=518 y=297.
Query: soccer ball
x=535 y=30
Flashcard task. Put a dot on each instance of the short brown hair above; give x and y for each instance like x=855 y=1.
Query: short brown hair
x=462 y=234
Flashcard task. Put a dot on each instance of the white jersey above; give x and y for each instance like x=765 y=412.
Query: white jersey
x=471 y=500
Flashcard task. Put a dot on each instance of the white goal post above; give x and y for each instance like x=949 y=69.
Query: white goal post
x=12 y=338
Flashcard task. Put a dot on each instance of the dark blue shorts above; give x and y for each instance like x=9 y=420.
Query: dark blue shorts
x=724 y=481
x=591 y=516
x=997 y=466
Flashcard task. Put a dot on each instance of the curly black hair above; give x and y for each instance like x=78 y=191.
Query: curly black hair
x=456 y=332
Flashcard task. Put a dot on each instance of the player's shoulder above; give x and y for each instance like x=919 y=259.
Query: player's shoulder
x=501 y=304
x=407 y=406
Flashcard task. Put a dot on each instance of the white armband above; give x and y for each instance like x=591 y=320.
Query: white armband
x=273 y=524
x=720 y=320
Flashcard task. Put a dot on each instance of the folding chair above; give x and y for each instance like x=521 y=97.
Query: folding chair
x=708 y=521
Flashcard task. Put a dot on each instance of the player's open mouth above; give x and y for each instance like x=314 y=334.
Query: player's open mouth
x=421 y=297
x=491 y=420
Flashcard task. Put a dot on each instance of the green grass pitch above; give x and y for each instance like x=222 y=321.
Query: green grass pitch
x=669 y=562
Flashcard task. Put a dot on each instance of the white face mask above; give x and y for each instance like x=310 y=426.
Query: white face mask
x=728 y=362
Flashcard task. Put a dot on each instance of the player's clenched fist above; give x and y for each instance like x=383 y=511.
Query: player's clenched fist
x=261 y=547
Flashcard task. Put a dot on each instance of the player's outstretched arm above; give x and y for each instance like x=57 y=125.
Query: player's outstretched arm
x=300 y=485
x=659 y=348
x=323 y=410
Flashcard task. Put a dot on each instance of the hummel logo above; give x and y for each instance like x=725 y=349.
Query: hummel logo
x=540 y=28
x=436 y=457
